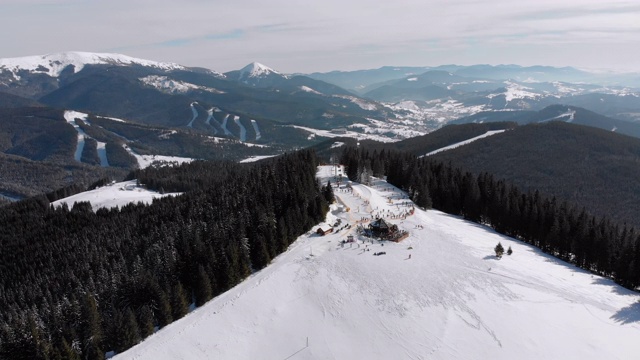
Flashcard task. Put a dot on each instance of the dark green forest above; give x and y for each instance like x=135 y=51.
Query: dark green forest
x=75 y=284
x=573 y=234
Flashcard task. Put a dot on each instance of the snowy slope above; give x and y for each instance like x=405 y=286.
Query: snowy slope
x=439 y=294
x=53 y=64
x=117 y=194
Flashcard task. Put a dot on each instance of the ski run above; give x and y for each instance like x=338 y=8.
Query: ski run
x=441 y=293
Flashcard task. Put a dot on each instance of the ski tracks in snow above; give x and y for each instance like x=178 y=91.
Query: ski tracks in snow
x=70 y=116
x=256 y=129
x=195 y=114
x=224 y=126
x=243 y=130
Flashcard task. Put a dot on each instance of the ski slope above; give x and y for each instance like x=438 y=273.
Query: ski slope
x=71 y=116
x=243 y=130
x=194 y=113
x=465 y=142
x=439 y=294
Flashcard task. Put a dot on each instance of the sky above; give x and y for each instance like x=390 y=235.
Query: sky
x=308 y=35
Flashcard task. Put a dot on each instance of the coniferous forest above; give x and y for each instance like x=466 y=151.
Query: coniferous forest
x=75 y=284
x=597 y=244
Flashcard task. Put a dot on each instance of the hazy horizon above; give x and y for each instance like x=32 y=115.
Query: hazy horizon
x=332 y=35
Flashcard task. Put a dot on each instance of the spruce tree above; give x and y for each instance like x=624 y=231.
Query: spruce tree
x=499 y=250
x=509 y=251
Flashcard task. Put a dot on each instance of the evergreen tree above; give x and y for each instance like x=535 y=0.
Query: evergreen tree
x=509 y=251
x=499 y=250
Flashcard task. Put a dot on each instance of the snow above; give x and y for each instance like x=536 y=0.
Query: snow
x=243 y=130
x=412 y=79
x=310 y=90
x=145 y=161
x=363 y=104
x=569 y=114
x=171 y=86
x=256 y=129
x=255 y=158
x=453 y=299
x=352 y=134
x=337 y=144
x=194 y=113
x=53 y=64
x=102 y=154
x=515 y=91
x=71 y=117
x=256 y=70
x=208 y=121
x=113 y=195
x=465 y=142
x=224 y=125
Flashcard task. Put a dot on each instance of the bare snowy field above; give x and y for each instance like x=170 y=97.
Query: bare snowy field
x=113 y=195
x=439 y=294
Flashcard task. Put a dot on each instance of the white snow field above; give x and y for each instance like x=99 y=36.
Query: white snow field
x=112 y=195
x=439 y=294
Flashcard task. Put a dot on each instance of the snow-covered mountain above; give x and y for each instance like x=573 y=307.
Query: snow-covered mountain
x=256 y=74
x=439 y=294
x=54 y=64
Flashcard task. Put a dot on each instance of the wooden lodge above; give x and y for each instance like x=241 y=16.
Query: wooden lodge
x=324 y=230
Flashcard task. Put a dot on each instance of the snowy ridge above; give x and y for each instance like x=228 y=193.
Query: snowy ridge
x=171 y=86
x=465 y=142
x=439 y=294
x=516 y=91
x=53 y=64
x=310 y=90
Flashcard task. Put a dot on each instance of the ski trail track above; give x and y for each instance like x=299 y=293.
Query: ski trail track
x=71 y=116
x=256 y=129
x=243 y=130
x=195 y=114
x=102 y=154
x=208 y=121
x=224 y=125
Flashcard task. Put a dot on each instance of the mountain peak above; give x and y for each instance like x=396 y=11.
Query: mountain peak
x=255 y=69
x=54 y=64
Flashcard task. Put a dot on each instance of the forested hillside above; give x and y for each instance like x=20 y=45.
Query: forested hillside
x=75 y=284
x=586 y=166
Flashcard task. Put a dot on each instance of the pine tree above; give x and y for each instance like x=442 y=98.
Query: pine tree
x=509 y=251
x=499 y=250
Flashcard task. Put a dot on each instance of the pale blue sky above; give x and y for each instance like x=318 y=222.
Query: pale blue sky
x=306 y=35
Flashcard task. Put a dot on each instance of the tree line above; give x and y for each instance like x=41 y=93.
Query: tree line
x=594 y=243
x=75 y=283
